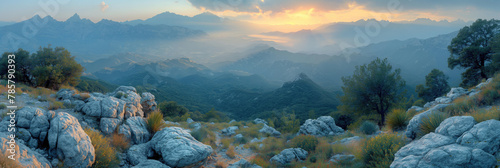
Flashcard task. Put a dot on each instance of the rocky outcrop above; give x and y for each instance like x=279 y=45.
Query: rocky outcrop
x=24 y=155
x=69 y=143
x=323 y=126
x=33 y=124
x=135 y=129
x=269 y=131
x=288 y=155
x=259 y=121
x=413 y=126
x=109 y=125
x=148 y=103
x=178 y=148
x=457 y=142
x=229 y=131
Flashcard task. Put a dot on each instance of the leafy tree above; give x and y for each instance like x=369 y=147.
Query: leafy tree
x=436 y=85
x=471 y=49
x=172 y=109
x=495 y=46
x=23 y=66
x=373 y=88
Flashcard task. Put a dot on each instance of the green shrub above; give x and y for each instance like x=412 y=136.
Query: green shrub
x=313 y=159
x=306 y=142
x=155 y=122
x=105 y=154
x=379 y=151
x=397 y=120
x=205 y=136
x=3 y=106
x=368 y=127
x=419 y=102
x=431 y=122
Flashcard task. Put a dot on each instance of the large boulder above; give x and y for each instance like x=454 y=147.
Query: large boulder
x=178 y=148
x=413 y=126
x=288 y=155
x=349 y=140
x=485 y=136
x=139 y=153
x=455 y=155
x=92 y=108
x=341 y=158
x=323 y=126
x=23 y=154
x=229 y=130
x=112 y=108
x=69 y=143
x=148 y=103
x=456 y=92
x=270 y=131
x=135 y=128
x=25 y=115
x=151 y=164
x=455 y=126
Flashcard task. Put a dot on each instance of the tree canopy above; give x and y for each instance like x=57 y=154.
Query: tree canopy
x=436 y=84
x=48 y=67
x=471 y=50
x=373 y=88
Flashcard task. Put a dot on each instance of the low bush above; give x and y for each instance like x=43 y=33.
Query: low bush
x=220 y=164
x=230 y=152
x=306 y=142
x=119 y=141
x=84 y=96
x=3 y=106
x=260 y=160
x=205 y=136
x=155 y=122
x=379 y=151
x=431 y=122
x=419 y=102
x=226 y=142
x=397 y=120
x=105 y=154
x=368 y=127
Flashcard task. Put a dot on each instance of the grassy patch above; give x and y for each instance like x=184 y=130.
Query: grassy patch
x=230 y=152
x=5 y=162
x=483 y=115
x=205 y=136
x=105 y=154
x=431 y=122
x=397 y=120
x=155 y=122
x=119 y=141
x=368 y=127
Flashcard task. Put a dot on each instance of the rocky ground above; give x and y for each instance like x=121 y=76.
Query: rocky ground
x=55 y=138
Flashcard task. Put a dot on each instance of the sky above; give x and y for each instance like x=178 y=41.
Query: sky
x=268 y=12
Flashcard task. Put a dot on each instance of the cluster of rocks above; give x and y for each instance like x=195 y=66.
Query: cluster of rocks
x=49 y=138
x=266 y=129
x=288 y=155
x=457 y=142
x=438 y=105
x=60 y=133
x=322 y=126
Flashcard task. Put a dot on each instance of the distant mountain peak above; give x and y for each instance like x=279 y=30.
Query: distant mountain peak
x=74 y=18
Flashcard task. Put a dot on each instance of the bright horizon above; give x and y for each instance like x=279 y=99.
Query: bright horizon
x=292 y=14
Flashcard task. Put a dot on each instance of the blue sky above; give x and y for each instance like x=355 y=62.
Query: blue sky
x=272 y=12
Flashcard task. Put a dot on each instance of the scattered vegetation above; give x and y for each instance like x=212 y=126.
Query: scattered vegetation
x=5 y=162
x=105 y=154
x=306 y=142
x=230 y=152
x=155 y=122
x=368 y=127
x=54 y=105
x=397 y=120
x=3 y=106
x=431 y=122
x=119 y=141
x=220 y=164
x=379 y=151
x=205 y=136
x=483 y=115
